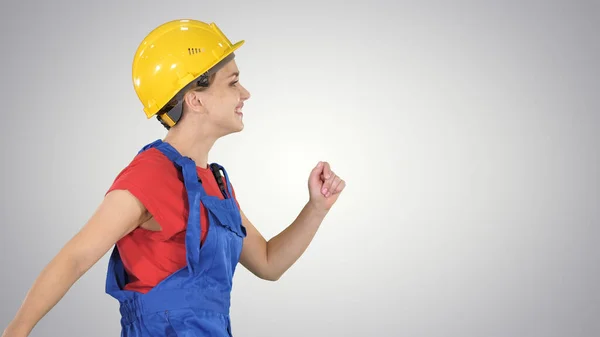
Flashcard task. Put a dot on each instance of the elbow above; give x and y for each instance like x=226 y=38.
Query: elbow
x=269 y=275
x=273 y=278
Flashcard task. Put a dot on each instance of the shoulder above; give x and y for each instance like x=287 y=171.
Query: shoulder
x=147 y=167
x=148 y=173
x=150 y=161
x=156 y=183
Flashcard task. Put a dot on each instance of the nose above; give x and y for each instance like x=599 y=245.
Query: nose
x=245 y=93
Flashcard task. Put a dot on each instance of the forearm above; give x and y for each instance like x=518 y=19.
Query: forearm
x=50 y=286
x=284 y=249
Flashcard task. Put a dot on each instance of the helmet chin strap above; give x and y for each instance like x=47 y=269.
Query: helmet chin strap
x=172 y=117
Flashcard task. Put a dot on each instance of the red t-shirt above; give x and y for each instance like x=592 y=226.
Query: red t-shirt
x=151 y=256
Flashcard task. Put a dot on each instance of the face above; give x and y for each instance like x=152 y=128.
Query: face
x=220 y=106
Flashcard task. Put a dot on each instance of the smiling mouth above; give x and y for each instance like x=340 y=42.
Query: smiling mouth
x=238 y=110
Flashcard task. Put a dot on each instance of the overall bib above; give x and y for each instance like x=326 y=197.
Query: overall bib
x=195 y=300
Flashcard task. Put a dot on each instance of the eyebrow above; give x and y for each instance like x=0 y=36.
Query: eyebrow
x=237 y=73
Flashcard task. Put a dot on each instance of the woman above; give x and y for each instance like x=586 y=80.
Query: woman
x=173 y=219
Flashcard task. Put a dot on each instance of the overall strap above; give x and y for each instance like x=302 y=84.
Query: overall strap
x=195 y=192
x=150 y=145
x=217 y=169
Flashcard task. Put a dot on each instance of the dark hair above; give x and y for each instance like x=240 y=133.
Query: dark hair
x=200 y=84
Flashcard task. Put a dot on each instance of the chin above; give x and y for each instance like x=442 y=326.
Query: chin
x=239 y=125
x=235 y=129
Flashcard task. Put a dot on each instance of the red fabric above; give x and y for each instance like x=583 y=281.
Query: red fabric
x=150 y=256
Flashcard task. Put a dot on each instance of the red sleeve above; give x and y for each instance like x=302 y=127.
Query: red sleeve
x=155 y=183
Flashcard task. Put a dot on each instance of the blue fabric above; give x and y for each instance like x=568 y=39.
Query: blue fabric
x=195 y=300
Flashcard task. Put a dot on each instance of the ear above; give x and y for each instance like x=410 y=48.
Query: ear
x=193 y=100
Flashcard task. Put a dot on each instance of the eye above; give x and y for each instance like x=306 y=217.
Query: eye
x=234 y=83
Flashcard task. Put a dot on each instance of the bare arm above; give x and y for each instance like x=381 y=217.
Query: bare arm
x=118 y=214
x=269 y=260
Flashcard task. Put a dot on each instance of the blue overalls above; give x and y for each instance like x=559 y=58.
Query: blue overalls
x=195 y=300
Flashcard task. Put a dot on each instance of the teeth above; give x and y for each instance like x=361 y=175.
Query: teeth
x=238 y=109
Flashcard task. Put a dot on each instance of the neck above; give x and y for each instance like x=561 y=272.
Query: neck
x=195 y=145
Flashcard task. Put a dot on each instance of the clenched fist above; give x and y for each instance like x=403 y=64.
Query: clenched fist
x=324 y=186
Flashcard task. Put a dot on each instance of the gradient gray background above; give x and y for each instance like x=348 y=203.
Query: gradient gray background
x=467 y=133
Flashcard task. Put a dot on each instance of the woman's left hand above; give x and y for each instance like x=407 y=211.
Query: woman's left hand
x=324 y=186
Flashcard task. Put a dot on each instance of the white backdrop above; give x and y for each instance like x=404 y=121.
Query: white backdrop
x=467 y=134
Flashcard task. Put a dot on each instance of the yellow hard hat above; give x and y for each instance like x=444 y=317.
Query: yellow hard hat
x=171 y=57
